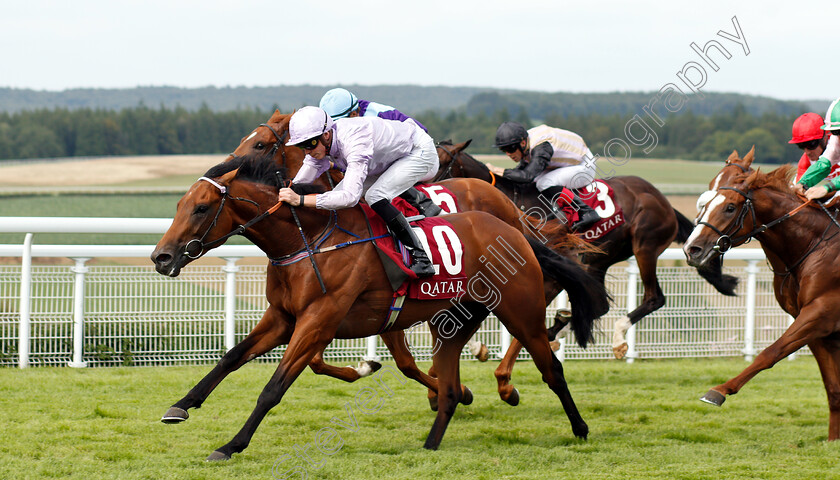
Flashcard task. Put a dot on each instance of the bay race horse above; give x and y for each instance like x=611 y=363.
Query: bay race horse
x=801 y=242
x=239 y=197
x=470 y=194
x=650 y=225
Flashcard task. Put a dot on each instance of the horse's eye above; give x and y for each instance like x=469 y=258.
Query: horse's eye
x=201 y=209
x=730 y=208
x=259 y=146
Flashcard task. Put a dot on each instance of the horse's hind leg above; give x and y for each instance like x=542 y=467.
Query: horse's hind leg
x=272 y=330
x=446 y=366
x=827 y=354
x=532 y=335
x=507 y=392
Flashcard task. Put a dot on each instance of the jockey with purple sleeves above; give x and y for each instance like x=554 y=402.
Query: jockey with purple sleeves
x=380 y=159
x=340 y=103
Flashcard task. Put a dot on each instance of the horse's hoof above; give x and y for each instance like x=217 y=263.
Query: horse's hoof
x=713 y=397
x=433 y=403
x=217 y=455
x=175 y=415
x=466 y=398
x=564 y=313
x=555 y=345
x=581 y=431
x=513 y=398
x=479 y=350
x=620 y=351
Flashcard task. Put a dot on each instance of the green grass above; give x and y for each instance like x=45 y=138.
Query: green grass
x=645 y=422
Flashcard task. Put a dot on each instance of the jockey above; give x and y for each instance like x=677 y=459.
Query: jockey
x=808 y=135
x=380 y=158
x=830 y=158
x=341 y=103
x=537 y=150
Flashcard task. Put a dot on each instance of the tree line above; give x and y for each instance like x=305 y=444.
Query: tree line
x=141 y=130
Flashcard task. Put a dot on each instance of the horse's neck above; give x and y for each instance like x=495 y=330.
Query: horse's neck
x=787 y=241
x=472 y=168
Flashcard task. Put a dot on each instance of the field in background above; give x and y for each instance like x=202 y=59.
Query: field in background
x=645 y=421
x=178 y=172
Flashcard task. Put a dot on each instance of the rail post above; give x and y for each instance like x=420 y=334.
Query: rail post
x=25 y=329
x=749 y=320
x=632 y=278
x=79 y=313
x=371 y=343
x=230 y=270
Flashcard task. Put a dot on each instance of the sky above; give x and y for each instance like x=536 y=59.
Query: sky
x=541 y=45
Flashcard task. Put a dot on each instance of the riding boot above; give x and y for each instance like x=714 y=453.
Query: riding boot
x=420 y=265
x=587 y=216
x=422 y=203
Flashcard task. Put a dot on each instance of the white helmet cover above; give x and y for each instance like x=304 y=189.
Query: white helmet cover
x=308 y=123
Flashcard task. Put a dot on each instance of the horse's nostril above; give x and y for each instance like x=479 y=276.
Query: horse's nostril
x=163 y=259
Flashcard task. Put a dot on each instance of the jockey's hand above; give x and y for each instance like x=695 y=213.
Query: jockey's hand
x=799 y=189
x=289 y=196
x=496 y=170
x=815 y=193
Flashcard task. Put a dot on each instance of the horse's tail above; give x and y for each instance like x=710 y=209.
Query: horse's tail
x=713 y=273
x=588 y=296
x=556 y=235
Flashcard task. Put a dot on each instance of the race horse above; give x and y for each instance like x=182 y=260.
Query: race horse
x=650 y=225
x=470 y=194
x=311 y=305
x=801 y=242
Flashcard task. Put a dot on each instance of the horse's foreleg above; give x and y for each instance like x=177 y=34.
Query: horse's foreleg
x=304 y=345
x=273 y=329
x=652 y=300
x=803 y=331
x=449 y=394
x=827 y=354
x=348 y=374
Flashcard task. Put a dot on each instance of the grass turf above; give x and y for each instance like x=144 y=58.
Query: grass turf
x=645 y=422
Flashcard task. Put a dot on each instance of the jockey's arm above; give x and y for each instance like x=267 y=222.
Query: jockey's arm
x=540 y=158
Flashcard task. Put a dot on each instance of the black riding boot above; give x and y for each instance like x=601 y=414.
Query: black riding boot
x=421 y=265
x=587 y=216
x=422 y=203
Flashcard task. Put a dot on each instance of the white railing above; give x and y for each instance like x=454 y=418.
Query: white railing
x=111 y=315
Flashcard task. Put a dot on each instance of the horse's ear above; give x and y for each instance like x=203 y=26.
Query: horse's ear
x=749 y=157
x=733 y=157
x=751 y=179
x=467 y=143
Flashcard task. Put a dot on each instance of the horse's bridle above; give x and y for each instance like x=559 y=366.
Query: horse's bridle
x=202 y=246
x=278 y=145
x=446 y=172
x=725 y=241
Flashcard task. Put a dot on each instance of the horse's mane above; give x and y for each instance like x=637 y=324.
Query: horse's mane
x=778 y=179
x=260 y=168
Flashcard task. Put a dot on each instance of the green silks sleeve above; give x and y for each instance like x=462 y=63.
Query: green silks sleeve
x=816 y=172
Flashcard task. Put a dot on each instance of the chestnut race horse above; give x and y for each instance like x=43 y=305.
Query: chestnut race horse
x=801 y=245
x=269 y=138
x=650 y=225
x=238 y=197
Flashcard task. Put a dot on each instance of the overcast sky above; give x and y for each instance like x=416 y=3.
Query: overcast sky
x=545 y=45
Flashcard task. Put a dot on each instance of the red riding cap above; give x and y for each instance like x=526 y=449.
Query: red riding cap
x=807 y=128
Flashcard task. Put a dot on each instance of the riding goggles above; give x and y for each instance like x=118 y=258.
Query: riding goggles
x=810 y=145
x=509 y=148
